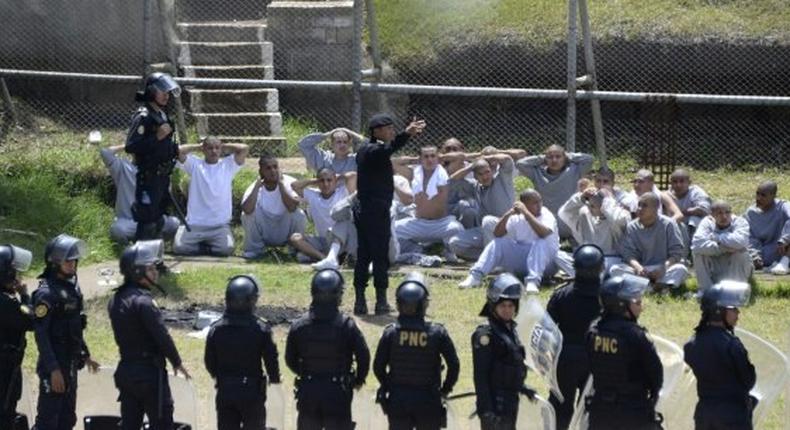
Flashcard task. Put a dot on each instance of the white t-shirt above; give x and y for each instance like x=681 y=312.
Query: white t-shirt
x=210 y=201
x=271 y=202
x=519 y=229
x=318 y=208
x=438 y=179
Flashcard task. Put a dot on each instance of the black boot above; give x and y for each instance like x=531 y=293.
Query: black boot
x=382 y=307
x=360 y=305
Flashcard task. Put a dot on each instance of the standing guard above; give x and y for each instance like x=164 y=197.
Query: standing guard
x=59 y=325
x=626 y=369
x=408 y=363
x=321 y=348
x=143 y=341
x=498 y=357
x=16 y=319
x=234 y=348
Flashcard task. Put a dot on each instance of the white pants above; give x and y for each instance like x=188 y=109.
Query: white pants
x=414 y=232
x=122 y=230
x=674 y=276
x=564 y=261
x=215 y=240
x=469 y=243
x=345 y=232
x=262 y=230
x=529 y=259
x=711 y=269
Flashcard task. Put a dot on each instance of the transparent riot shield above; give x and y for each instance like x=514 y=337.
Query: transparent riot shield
x=26 y=403
x=364 y=410
x=543 y=341
x=537 y=415
x=580 y=419
x=771 y=366
x=97 y=395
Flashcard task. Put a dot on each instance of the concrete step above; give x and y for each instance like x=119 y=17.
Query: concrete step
x=239 y=123
x=202 y=10
x=230 y=72
x=223 y=31
x=244 y=100
x=259 y=145
x=226 y=53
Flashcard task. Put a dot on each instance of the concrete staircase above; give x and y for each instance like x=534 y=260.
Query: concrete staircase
x=228 y=40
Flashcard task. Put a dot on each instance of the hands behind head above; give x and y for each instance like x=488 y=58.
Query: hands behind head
x=416 y=127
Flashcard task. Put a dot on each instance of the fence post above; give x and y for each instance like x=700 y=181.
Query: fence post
x=570 y=119
x=595 y=104
x=356 y=61
x=9 y=105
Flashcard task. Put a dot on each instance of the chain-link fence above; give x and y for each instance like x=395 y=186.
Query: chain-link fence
x=416 y=42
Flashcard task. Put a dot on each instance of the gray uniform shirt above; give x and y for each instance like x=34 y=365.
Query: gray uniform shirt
x=124 y=175
x=695 y=196
x=498 y=198
x=768 y=227
x=708 y=238
x=654 y=244
x=318 y=158
x=605 y=231
x=555 y=189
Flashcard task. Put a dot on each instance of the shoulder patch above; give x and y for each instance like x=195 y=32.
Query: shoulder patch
x=141 y=129
x=41 y=310
x=484 y=340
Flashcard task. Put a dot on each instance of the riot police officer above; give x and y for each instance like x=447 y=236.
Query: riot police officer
x=720 y=361
x=320 y=349
x=143 y=341
x=408 y=362
x=498 y=357
x=574 y=307
x=234 y=348
x=15 y=319
x=150 y=141
x=59 y=325
x=627 y=372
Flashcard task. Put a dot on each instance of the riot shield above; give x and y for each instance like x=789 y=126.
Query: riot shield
x=364 y=410
x=580 y=419
x=97 y=395
x=771 y=366
x=537 y=415
x=25 y=405
x=543 y=341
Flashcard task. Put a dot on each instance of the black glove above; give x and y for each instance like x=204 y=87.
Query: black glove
x=529 y=392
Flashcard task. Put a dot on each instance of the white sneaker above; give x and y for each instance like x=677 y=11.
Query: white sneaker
x=531 y=287
x=781 y=267
x=326 y=263
x=471 y=281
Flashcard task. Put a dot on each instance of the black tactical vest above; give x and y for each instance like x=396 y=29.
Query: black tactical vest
x=414 y=356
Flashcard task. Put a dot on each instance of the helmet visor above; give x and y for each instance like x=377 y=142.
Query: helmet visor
x=67 y=248
x=148 y=252
x=733 y=294
x=167 y=84
x=633 y=287
x=22 y=258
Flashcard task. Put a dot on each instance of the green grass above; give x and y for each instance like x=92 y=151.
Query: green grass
x=415 y=30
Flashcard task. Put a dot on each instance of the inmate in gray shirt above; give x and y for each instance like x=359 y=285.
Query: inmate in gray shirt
x=124 y=175
x=318 y=158
x=695 y=196
x=498 y=198
x=655 y=244
x=766 y=228
x=709 y=238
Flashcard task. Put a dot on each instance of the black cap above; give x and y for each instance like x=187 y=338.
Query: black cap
x=380 y=120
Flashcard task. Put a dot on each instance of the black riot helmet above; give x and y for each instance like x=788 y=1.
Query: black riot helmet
x=326 y=287
x=158 y=81
x=588 y=262
x=241 y=294
x=412 y=296
x=13 y=260
x=721 y=296
x=503 y=287
x=138 y=256
x=60 y=249
x=618 y=291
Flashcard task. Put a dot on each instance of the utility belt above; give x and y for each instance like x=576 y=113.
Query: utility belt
x=630 y=399
x=156 y=360
x=234 y=383
x=344 y=380
x=157 y=170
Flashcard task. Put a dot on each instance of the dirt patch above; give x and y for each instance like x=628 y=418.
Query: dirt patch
x=184 y=317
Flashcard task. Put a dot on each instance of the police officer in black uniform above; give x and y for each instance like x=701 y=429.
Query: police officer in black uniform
x=320 y=350
x=234 y=348
x=143 y=341
x=720 y=361
x=498 y=357
x=627 y=372
x=150 y=141
x=16 y=318
x=408 y=362
x=574 y=307
x=59 y=324
x=372 y=214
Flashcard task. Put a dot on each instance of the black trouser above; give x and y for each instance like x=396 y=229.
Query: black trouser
x=10 y=391
x=57 y=411
x=720 y=414
x=414 y=408
x=144 y=390
x=499 y=422
x=241 y=401
x=151 y=198
x=323 y=404
x=372 y=220
x=573 y=370
x=622 y=416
